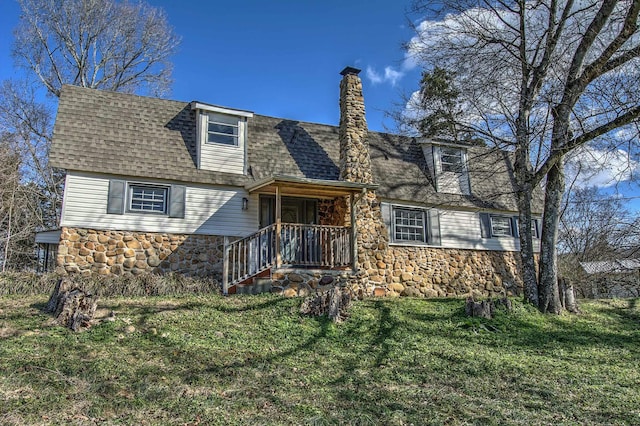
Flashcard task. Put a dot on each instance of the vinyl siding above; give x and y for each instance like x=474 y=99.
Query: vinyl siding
x=461 y=230
x=450 y=182
x=427 y=150
x=219 y=157
x=209 y=210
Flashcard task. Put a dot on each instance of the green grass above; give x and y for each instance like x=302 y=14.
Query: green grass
x=255 y=360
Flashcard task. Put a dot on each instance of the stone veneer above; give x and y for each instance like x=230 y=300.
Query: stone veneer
x=90 y=251
x=292 y=282
x=441 y=272
x=355 y=161
x=404 y=270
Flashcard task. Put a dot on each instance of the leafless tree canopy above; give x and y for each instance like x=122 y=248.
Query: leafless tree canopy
x=541 y=78
x=596 y=227
x=101 y=44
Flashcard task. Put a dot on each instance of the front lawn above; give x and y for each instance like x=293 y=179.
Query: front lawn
x=255 y=360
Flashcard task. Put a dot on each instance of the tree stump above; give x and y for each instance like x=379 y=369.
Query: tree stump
x=486 y=308
x=334 y=303
x=567 y=295
x=71 y=306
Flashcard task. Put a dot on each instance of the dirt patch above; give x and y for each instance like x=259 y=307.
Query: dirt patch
x=7 y=331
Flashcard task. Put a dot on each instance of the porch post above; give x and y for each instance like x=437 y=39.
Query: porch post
x=225 y=267
x=354 y=234
x=278 y=226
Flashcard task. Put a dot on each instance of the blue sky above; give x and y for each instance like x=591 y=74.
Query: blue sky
x=278 y=58
x=283 y=57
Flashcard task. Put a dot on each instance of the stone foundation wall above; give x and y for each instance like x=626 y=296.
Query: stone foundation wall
x=440 y=272
x=422 y=271
x=89 y=251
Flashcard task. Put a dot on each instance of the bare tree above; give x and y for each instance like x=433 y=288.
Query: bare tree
x=540 y=79
x=595 y=226
x=18 y=210
x=101 y=44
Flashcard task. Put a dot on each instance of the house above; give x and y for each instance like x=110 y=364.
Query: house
x=619 y=278
x=195 y=188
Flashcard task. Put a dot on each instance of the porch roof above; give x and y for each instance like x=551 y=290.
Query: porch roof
x=294 y=185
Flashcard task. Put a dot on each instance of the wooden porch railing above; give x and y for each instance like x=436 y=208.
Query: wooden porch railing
x=300 y=245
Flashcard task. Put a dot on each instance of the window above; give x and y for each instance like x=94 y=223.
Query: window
x=498 y=225
x=145 y=198
x=135 y=197
x=501 y=226
x=222 y=129
x=535 y=225
x=409 y=225
x=451 y=159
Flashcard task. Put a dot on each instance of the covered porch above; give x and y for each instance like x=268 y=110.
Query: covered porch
x=296 y=229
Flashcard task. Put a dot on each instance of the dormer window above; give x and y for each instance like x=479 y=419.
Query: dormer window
x=450 y=166
x=222 y=129
x=222 y=134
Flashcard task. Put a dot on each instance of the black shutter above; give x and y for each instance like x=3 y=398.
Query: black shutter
x=115 y=201
x=485 y=225
x=514 y=226
x=177 y=200
x=434 y=228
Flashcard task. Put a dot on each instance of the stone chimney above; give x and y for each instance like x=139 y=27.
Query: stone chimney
x=355 y=163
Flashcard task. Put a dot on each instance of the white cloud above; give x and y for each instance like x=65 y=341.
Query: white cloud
x=391 y=75
x=373 y=76
x=594 y=167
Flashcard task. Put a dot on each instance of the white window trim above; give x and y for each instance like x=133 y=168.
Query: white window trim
x=425 y=226
x=221 y=110
x=165 y=201
x=536 y=225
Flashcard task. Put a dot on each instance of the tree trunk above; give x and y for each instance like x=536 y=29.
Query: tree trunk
x=529 y=274
x=548 y=286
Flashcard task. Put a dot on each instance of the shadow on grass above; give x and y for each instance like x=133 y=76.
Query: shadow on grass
x=379 y=363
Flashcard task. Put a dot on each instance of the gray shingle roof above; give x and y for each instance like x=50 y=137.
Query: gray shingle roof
x=611 y=266
x=124 y=134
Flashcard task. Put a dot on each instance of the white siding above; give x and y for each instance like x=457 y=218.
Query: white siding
x=461 y=230
x=208 y=210
x=427 y=150
x=451 y=182
x=219 y=157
